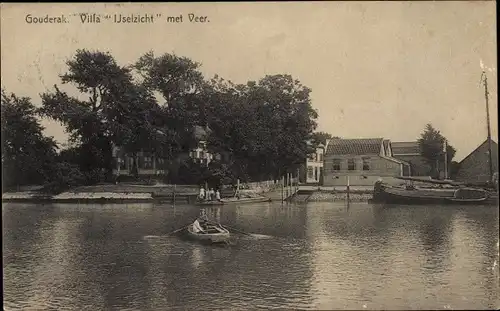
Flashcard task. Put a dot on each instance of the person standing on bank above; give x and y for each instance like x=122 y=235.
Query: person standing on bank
x=217 y=195
x=202 y=193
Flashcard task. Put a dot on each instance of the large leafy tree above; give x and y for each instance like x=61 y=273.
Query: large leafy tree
x=264 y=125
x=27 y=155
x=90 y=121
x=181 y=86
x=286 y=121
x=116 y=111
x=431 y=143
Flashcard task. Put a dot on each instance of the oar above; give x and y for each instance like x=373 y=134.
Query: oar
x=234 y=229
x=239 y=231
x=178 y=230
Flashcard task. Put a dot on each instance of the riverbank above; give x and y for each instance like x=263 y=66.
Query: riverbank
x=102 y=193
x=122 y=193
x=79 y=197
x=321 y=196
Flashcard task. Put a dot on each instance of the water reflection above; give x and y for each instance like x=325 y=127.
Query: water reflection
x=317 y=256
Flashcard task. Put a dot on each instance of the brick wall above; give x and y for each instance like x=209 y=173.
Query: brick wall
x=475 y=167
x=379 y=168
x=419 y=166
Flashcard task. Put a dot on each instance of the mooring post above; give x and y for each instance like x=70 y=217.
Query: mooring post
x=348 y=190
x=282 y=189
x=286 y=186
x=298 y=178
x=174 y=193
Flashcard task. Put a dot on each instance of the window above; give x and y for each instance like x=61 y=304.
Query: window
x=312 y=156
x=336 y=165
x=320 y=157
x=130 y=163
x=147 y=162
x=351 y=165
x=366 y=164
x=316 y=173
x=310 y=172
x=121 y=162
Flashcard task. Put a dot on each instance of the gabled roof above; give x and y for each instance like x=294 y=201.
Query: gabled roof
x=407 y=147
x=359 y=146
x=493 y=145
x=201 y=133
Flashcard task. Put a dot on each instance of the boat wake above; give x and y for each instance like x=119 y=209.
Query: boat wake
x=150 y=237
x=255 y=236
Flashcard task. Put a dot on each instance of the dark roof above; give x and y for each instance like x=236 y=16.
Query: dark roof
x=493 y=145
x=359 y=146
x=201 y=133
x=408 y=147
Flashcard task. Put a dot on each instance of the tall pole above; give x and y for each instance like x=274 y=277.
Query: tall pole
x=282 y=188
x=488 y=124
x=445 y=160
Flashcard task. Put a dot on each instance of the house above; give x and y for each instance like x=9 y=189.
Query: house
x=409 y=152
x=475 y=167
x=150 y=165
x=314 y=166
x=200 y=153
x=363 y=160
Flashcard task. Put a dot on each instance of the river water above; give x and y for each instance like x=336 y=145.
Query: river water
x=314 y=256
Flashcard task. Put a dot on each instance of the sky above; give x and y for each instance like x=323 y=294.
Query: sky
x=376 y=69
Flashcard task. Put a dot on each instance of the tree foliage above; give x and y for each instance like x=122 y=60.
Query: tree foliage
x=181 y=86
x=92 y=122
x=321 y=138
x=264 y=125
x=431 y=145
x=117 y=111
x=27 y=155
x=259 y=129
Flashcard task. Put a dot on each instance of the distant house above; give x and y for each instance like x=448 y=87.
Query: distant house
x=200 y=153
x=363 y=160
x=409 y=152
x=475 y=167
x=150 y=165
x=312 y=170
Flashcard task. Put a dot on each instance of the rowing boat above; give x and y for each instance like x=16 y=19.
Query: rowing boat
x=212 y=233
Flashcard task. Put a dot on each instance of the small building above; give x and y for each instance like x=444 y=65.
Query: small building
x=363 y=160
x=409 y=152
x=314 y=166
x=200 y=153
x=475 y=167
x=150 y=165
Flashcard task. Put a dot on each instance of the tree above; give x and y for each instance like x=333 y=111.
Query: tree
x=27 y=155
x=264 y=125
x=431 y=145
x=321 y=138
x=181 y=85
x=90 y=122
x=117 y=111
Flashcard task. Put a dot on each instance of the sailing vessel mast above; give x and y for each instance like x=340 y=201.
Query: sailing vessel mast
x=485 y=80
